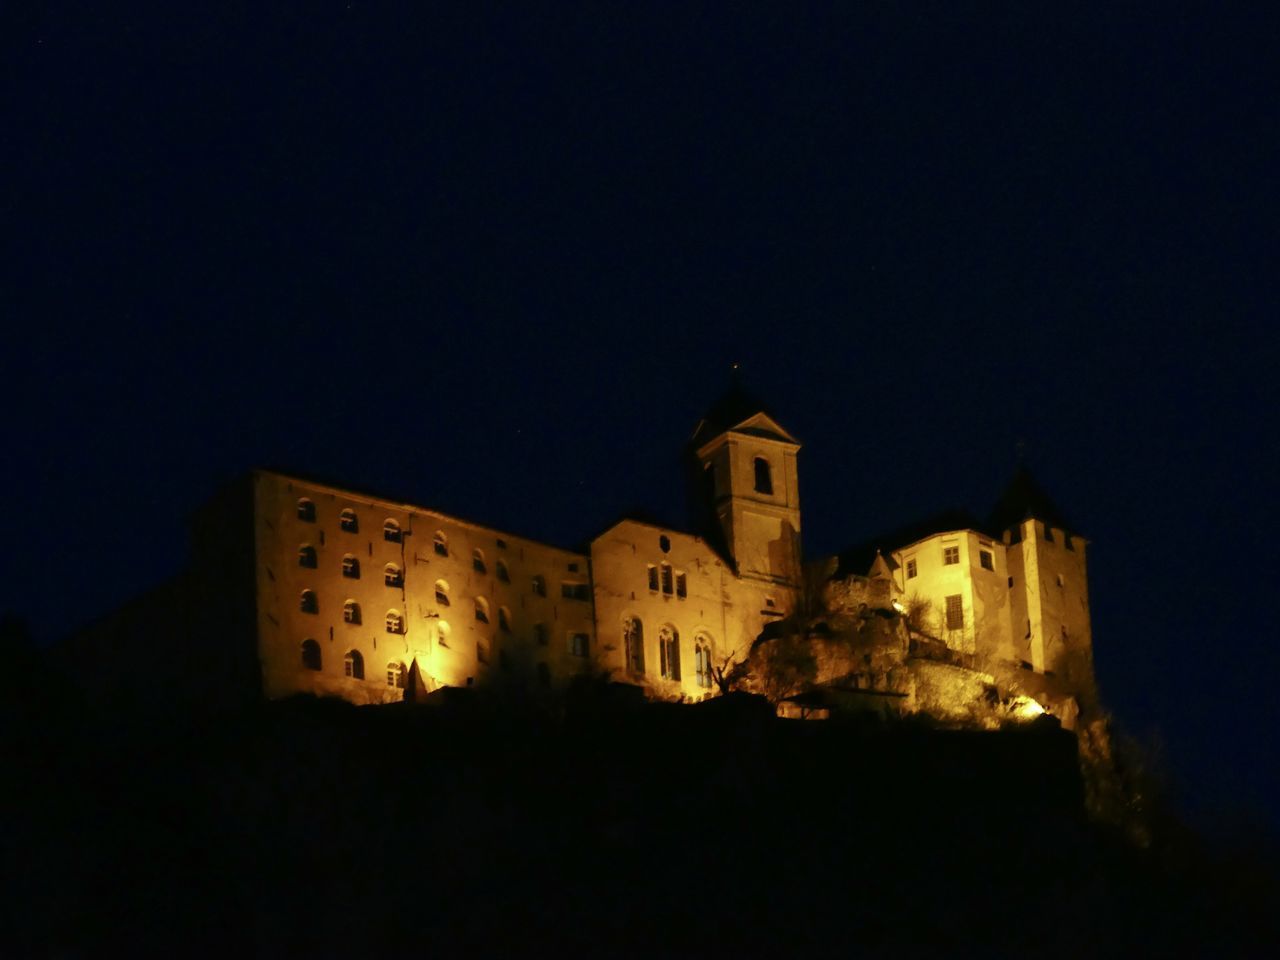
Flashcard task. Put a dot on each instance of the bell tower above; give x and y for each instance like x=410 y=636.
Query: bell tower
x=744 y=488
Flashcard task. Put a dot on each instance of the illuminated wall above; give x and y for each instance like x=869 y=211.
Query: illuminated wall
x=685 y=598
x=452 y=603
x=1050 y=610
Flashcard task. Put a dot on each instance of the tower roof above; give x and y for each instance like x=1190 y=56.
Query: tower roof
x=1024 y=498
x=733 y=408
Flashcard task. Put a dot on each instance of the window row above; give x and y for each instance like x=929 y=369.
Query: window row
x=950 y=557
x=308 y=558
x=352 y=664
x=668 y=652
x=392 y=574
x=663 y=578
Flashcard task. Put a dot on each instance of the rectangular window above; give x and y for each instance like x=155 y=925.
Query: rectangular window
x=984 y=558
x=653 y=578
x=575 y=591
x=682 y=586
x=911 y=569
x=666 y=578
x=950 y=555
x=578 y=644
x=955 y=612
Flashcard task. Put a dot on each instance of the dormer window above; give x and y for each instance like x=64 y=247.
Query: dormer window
x=764 y=479
x=391 y=531
x=350 y=522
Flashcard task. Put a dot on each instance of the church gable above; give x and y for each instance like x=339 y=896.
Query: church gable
x=763 y=425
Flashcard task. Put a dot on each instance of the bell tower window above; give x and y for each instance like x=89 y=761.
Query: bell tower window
x=764 y=479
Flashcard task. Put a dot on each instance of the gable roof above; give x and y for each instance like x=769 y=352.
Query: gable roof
x=740 y=410
x=858 y=559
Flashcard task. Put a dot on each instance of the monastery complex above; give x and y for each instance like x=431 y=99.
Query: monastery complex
x=322 y=590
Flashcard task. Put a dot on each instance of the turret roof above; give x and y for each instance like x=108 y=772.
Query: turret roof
x=733 y=407
x=1024 y=498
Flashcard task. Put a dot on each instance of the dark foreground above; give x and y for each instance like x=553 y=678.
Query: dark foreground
x=316 y=828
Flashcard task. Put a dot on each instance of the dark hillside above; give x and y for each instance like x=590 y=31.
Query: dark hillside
x=320 y=828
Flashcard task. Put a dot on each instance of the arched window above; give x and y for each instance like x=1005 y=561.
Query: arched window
x=350 y=523
x=539 y=586
x=310 y=655
x=353 y=665
x=351 y=612
x=442 y=592
x=764 y=479
x=441 y=543
x=307 y=556
x=395 y=674
x=395 y=622
x=482 y=609
x=391 y=531
x=477 y=561
x=504 y=619
x=669 y=652
x=393 y=576
x=308 y=602
x=702 y=660
x=633 y=644
x=306 y=510
x=351 y=567
x=442 y=633
x=500 y=571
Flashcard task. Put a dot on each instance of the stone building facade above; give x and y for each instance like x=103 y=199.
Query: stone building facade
x=345 y=594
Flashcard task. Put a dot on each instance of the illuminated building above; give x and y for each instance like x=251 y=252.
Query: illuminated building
x=368 y=599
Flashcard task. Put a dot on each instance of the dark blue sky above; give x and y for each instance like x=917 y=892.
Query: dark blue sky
x=497 y=261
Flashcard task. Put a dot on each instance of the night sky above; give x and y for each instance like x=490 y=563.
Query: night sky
x=496 y=261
